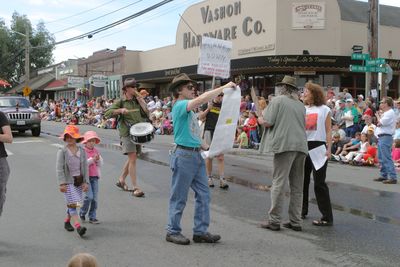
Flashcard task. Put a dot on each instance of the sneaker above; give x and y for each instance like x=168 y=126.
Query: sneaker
x=289 y=225
x=380 y=179
x=210 y=182
x=336 y=157
x=223 y=184
x=83 y=218
x=206 y=238
x=271 y=226
x=81 y=230
x=177 y=239
x=390 y=181
x=68 y=227
x=94 y=221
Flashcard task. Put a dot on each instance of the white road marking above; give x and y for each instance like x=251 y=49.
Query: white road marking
x=27 y=141
x=58 y=145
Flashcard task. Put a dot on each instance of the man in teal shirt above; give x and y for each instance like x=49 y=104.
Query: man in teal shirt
x=187 y=164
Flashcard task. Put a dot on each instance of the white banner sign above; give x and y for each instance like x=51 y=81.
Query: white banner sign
x=225 y=130
x=76 y=82
x=215 y=57
x=309 y=15
x=98 y=80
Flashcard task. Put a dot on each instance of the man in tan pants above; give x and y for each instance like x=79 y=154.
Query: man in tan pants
x=285 y=136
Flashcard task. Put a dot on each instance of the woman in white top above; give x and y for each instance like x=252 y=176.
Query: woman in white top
x=318 y=129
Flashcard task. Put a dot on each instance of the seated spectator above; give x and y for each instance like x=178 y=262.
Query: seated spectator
x=373 y=141
x=356 y=157
x=157 y=126
x=157 y=113
x=337 y=145
x=83 y=260
x=397 y=132
x=337 y=130
x=396 y=154
x=242 y=141
x=167 y=126
x=352 y=145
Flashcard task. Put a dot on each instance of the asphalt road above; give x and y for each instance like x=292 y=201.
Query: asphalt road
x=366 y=230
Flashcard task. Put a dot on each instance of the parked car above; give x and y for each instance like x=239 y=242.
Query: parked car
x=20 y=114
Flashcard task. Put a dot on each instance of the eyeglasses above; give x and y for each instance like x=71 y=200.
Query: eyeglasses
x=190 y=86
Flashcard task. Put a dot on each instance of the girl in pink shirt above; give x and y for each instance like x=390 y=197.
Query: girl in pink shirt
x=94 y=161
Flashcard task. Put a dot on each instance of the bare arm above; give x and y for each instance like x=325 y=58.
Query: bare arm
x=6 y=136
x=207 y=96
x=328 y=130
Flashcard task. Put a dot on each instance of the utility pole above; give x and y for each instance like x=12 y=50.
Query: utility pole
x=373 y=45
x=27 y=63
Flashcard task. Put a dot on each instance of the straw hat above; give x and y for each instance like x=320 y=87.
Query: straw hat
x=72 y=131
x=130 y=83
x=90 y=135
x=178 y=80
x=288 y=80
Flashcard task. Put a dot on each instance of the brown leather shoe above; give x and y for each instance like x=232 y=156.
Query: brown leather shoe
x=390 y=181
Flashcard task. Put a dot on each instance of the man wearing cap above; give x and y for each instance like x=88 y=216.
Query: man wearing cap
x=130 y=109
x=285 y=136
x=339 y=112
x=350 y=118
x=385 y=129
x=187 y=164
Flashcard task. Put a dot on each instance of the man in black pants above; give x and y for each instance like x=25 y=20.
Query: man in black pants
x=5 y=137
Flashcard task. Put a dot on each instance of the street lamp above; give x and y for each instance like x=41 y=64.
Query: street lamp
x=27 y=70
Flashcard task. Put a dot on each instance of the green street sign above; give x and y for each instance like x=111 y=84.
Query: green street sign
x=358 y=68
x=376 y=61
x=377 y=69
x=356 y=56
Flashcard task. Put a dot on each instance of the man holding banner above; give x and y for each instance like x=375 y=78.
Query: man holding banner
x=187 y=163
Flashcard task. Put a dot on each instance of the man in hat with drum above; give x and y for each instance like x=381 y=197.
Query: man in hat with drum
x=187 y=164
x=285 y=136
x=130 y=109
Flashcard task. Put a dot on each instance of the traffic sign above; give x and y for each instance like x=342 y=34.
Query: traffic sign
x=359 y=68
x=356 y=56
x=376 y=61
x=27 y=91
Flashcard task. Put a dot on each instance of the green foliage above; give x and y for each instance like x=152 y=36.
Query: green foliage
x=12 y=47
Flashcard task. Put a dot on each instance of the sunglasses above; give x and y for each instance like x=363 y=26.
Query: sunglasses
x=190 y=87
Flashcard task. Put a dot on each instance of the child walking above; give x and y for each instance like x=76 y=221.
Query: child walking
x=94 y=161
x=72 y=174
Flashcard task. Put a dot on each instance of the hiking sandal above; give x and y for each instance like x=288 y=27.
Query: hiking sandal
x=137 y=192
x=123 y=186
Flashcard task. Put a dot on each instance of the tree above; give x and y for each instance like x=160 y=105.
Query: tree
x=12 y=47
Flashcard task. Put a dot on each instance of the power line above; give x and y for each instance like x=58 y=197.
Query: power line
x=80 y=13
x=157 y=15
x=102 y=16
x=109 y=26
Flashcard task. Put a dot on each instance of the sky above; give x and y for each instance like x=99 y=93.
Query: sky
x=66 y=19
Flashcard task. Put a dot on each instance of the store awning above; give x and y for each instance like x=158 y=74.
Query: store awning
x=36 y=83
x=57 y=85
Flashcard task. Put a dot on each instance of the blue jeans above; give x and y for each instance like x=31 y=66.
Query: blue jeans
x=90 y=199
x=254 y=137
x=188 y=171
x=385 y=157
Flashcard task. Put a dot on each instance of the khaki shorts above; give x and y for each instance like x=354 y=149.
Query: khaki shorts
x=129 y=147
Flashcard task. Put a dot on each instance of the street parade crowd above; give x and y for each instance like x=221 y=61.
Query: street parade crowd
x=295 y=125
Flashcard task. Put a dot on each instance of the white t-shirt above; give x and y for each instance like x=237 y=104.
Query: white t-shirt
x=315 y=122
x=365 y=129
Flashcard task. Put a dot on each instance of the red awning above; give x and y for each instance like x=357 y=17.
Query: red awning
x=56 y=84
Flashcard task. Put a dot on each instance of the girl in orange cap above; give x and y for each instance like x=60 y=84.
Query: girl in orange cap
x=72 y=174
x=94 y=161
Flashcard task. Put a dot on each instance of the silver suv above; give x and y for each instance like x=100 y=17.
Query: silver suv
x=20 y=114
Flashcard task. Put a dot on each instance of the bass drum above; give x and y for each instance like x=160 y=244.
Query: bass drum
x=142 y=132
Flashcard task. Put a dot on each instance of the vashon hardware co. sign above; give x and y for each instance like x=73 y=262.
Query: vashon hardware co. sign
x=249 y=26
